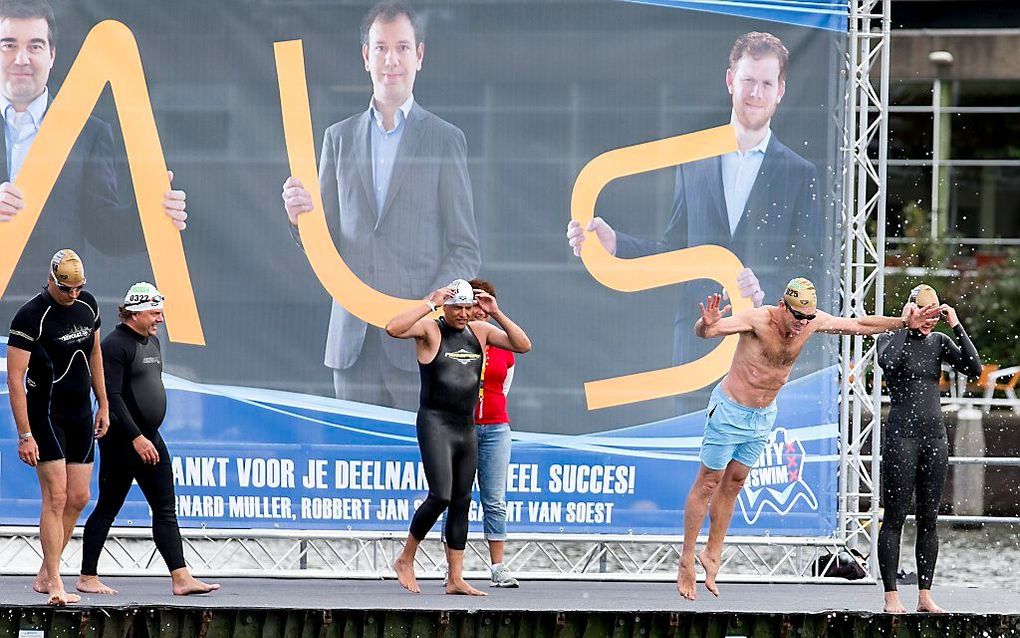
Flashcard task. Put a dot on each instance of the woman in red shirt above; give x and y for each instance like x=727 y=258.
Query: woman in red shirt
x=493 y=429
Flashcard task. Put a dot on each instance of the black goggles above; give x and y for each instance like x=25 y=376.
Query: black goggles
x=800 y=316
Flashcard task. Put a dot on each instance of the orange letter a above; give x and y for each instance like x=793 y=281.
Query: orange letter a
x=109 y=54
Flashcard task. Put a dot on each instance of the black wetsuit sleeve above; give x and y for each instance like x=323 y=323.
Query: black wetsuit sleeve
x=890 y=349
x=24 y=330
x=964 y=358
x=116 y=365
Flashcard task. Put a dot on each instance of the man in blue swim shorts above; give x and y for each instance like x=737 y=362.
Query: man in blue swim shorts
x=743 y=406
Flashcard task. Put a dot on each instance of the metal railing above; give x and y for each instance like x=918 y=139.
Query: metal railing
x=273 y=553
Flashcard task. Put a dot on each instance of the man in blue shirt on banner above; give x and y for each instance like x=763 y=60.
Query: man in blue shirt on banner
x=396 y=190
x=84 y=202
x=760 y=202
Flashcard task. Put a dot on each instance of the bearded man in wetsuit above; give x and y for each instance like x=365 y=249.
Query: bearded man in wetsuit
x=53 y=361
x=133 y=450
x=449 y=351
x=743 y=408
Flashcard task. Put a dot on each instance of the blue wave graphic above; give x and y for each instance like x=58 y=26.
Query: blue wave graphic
x=626 y=480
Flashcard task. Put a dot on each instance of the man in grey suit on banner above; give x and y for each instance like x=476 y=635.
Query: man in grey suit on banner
x=397 y=194
x=760 y=202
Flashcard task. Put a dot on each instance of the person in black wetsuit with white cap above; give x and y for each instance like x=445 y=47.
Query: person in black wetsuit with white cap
x=915 y=452
x=133 y=450
x=449 y=353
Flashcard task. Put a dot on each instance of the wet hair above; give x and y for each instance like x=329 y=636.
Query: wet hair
x=388 y=12
x=758 y=44
x=482 y=284
x=28 y=10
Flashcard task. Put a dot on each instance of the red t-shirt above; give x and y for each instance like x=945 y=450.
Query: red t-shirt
x=497 y=373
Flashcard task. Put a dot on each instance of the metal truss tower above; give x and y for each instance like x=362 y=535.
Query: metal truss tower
x=865 y=149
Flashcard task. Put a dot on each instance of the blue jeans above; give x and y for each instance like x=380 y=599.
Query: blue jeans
x=493 y=459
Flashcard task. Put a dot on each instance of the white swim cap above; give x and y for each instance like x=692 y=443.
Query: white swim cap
x=463 y=295
x=143 y=296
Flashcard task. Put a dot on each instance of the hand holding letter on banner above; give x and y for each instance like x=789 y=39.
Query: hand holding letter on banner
x=749 y=287
x=11 y=201
x=359 y=298
x=92 y=71
x=653 y=271
x=174 y=204
x=296 y=200
x=602 y=230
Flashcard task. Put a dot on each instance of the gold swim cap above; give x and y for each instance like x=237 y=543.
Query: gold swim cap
x=924 y=295
x=800 y=295
x=66 y=268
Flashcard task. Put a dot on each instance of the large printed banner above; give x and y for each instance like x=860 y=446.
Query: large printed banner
x=269 y=459
x=700 y=139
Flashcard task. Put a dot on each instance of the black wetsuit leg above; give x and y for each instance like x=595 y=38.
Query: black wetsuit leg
x=899 y=471
x=932 y=466
x=156 y=483
x=465 y=465
x=115 y=478
x=449 y=453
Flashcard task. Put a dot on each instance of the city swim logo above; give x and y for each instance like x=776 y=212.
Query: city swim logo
x=776 y=481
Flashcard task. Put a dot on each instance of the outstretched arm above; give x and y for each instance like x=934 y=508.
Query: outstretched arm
x=713 y=324
x=872 y=325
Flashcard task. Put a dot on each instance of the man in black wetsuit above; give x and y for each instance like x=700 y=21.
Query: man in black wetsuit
x=134 y=450
x=53 y=361
x=915 y=452
x=449 y=353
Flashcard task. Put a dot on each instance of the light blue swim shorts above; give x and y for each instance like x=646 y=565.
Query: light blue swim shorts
x=734 y=431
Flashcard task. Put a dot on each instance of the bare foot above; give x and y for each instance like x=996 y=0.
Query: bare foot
x=686 y=580
x=405 y=574
x=191 y=585
x=893 y=604
x=711 y=565
x=60 y=598
x=462 y=587
x=41 y=584
x=925 y=604
x=92 y=585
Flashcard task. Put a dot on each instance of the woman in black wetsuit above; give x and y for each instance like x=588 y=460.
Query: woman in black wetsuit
x=450 y=361
x=915 y=451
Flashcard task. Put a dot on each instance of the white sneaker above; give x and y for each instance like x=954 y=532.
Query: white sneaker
x=501 y=577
